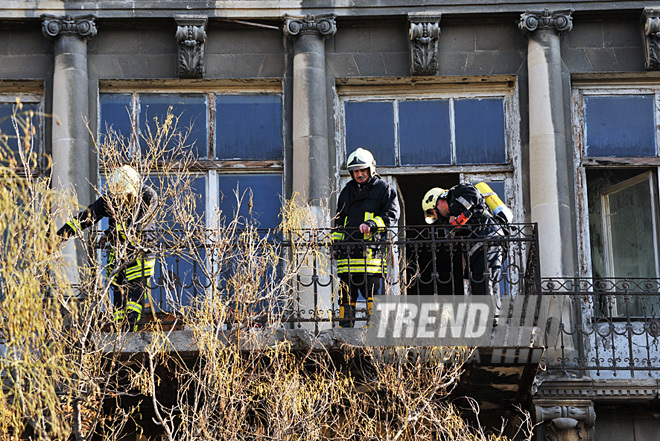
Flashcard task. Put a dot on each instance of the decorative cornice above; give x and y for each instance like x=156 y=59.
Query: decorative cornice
x=54 y=26
x=561 y=21
x=191 y=36
x=651 y=19
x=599 y=390
x=323 y=25
x=424 y=33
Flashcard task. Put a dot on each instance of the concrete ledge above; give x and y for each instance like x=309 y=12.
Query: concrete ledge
x=597 y=390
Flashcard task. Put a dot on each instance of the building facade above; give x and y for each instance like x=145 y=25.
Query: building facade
x=555 y=105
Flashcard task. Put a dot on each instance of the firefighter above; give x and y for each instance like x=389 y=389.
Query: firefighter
x=464 y=210
x=130 y=206
x=366 y=207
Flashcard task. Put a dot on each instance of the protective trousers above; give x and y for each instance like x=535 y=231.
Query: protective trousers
x=352 y=285
x=129 y=287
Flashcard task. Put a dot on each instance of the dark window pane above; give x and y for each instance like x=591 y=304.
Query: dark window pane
x=116 y=115
x=195 y=189
x=479 y=125
x=370 y=125
x=191 y=111
x=424 y=134
x=248 y=127
x=620 y=125
x=17 y=135
x=260 y=198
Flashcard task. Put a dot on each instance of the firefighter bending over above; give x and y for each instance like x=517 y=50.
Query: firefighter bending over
x=130 y=206
x=464 y=209
x=367 y=206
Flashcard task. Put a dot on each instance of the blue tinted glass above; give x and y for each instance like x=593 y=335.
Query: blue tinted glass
x=16 y=135
x=248 y=127
x=260 y=195
x=479 y=126
x=192 y=114
x=424 y=134
x=370 y=125
x=116 y=115
x=194 y=189
x=620 y=125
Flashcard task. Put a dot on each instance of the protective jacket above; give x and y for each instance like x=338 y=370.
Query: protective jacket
x=374 y=203
x=140 y=225
x=466 y=199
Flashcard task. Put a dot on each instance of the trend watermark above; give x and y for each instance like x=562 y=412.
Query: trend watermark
x=516 y=329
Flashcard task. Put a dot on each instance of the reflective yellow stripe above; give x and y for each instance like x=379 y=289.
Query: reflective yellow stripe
x=134 y=306
x=74 y=224
x=361 y=265
x=379 y=221
x=141 y=269
x=337 y=236
x=119 y=315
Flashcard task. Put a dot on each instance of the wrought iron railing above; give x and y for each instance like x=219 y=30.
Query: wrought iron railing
x=292 y=276
x=607 y=326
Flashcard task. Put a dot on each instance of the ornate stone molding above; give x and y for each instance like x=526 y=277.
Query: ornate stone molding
x=54 y=26
x=424 y=33
x=651 y=18
x=565 y=420
x=600 y=390
x=323 y=25
x=561 y=21
x=191 y=36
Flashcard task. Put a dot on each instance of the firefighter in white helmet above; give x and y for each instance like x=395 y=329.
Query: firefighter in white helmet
x=130 y=206
x=366 y=207
x=466 y=214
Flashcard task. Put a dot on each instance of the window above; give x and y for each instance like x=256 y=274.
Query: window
x=29 y=113
x=617 y=156
x=236 y=143
x=418 y=132
x=432 y=135
x=235 y=139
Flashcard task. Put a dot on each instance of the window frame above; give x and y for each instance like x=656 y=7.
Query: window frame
x=9 y=97
x=208 y=167
x=505 y=87
x=582 y=163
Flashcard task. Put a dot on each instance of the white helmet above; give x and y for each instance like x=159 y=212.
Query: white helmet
x=361 y=158
x=124 y=181
x=430 y=201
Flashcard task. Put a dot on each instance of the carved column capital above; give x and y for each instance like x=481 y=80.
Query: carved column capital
x=323 y=25
x=561 y=21
x=566 y=420
x=651 y=20
x=54 y=26
x=424 y=33
x=191 y=36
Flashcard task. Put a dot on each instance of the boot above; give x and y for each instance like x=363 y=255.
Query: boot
x=346 y=316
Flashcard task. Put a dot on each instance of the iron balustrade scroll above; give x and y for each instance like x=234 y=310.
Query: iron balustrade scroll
x=613 y=327
x=271 y=277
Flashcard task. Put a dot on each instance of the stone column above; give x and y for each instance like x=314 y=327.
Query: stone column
x=550 y=162
x=550 y=188
x=70 y=138
x=568 y=420
x=311 y=157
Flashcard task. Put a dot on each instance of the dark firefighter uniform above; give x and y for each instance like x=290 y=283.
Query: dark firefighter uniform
x=484 y=269
x=129 y=255
x=361 y=262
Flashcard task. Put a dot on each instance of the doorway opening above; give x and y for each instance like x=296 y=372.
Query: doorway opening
x=416 y=269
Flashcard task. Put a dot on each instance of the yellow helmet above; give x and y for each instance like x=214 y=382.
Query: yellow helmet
x=361 y=158
x=430 y=201
x=124 y=181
